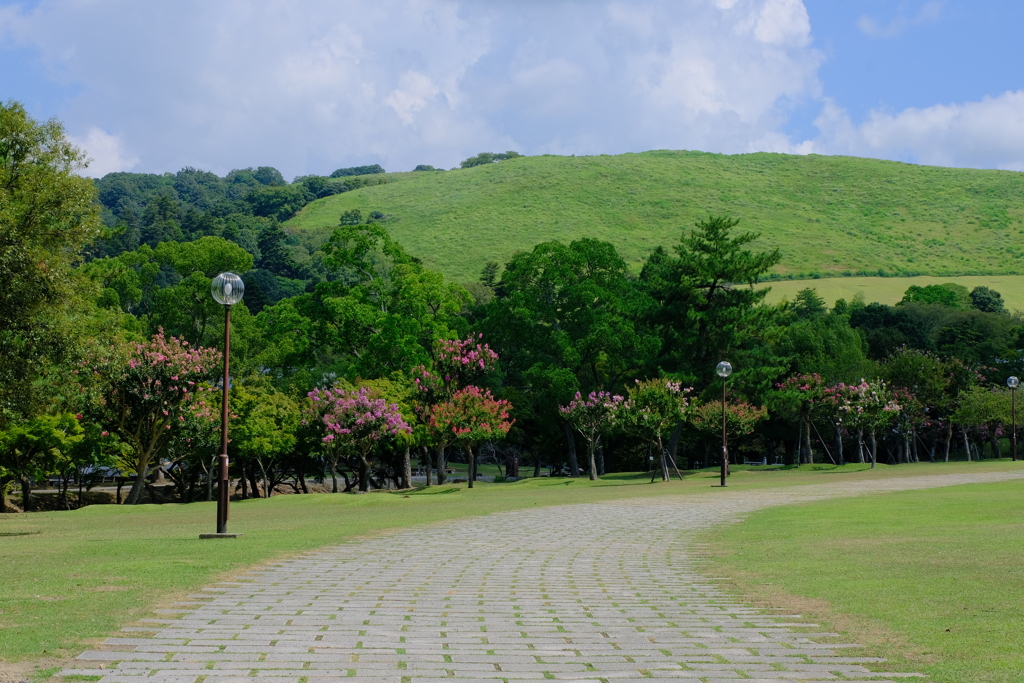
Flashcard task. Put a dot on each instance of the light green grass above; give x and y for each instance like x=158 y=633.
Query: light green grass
x=889 y=290
x=826 y=214
x=71 y=578
x=931 y=579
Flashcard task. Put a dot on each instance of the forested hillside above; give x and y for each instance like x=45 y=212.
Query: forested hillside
x=827 y=215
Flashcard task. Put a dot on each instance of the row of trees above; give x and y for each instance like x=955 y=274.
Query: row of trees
x=574 y=346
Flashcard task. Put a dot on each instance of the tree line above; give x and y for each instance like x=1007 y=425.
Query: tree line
x=368 y=363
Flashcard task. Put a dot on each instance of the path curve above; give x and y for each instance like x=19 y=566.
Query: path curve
x=590 y=592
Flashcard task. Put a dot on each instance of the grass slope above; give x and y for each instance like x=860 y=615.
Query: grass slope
x=826 y=214
x=889 y=290
x=930 y=579
x=71 y=578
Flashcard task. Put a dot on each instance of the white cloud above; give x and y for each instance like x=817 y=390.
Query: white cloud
x=105 y=152
x=989 y=133
x=416 y=90
x=312 y=86
x=929 y=12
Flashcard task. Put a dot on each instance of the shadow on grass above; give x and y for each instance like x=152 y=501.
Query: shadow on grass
x=429 y=491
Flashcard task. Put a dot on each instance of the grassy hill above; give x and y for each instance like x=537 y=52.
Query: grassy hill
x=828 y=215
x=889 y=290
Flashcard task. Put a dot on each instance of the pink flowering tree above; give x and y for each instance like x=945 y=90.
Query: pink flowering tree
x=147 y=396
x=457 y=364
x=470 y=416
x=652 y=407
x=592 y=416
x=356 y=420
x=867 y=406
x=796 y=399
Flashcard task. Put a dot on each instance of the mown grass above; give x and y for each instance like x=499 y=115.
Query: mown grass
x=71 y=578
x=826 y=214
x=930 y=579
x=889 y=290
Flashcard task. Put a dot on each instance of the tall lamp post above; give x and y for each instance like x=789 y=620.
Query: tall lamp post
x=227 y=289
x=724 y=369
x=1013 y=383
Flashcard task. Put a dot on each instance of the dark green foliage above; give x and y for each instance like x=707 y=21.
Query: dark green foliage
x=352 y=217
x=987 y=300
x=268 y=175
x=808 y=304
x=564 y=320
x=280 y=202
x=488 y=158
x=426 y=167
x=949 y=294
x=703 y=300
x=489 y=274
x=358 y=170
x=47 y=215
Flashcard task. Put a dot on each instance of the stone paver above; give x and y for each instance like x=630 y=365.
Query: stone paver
x=596 y=592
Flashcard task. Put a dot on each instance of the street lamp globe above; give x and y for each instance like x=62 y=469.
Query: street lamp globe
x=227 y=289
x=1012 y=382
x=724 y=369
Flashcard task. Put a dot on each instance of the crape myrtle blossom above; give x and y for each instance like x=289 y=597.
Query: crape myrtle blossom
x=356 y=420
x=355 y=416
x=652 y=407
x=457 y=363
x=149 y=393
x=591 y=416
x=470 y=416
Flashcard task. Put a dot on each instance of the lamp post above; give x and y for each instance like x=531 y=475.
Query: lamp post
x=1013 y=383
x=227 y=289
x=724 y=369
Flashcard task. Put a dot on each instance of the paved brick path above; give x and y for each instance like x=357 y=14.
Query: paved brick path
x=595 y=592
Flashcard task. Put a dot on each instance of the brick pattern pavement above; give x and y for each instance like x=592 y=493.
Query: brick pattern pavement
x=595 y=592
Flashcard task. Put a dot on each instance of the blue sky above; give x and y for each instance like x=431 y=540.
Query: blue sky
x=312 y=85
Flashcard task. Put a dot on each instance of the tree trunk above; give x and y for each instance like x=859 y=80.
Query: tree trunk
x=333 y=462
x=252 y=482
x=673 y=442
x=425 y=458
x=665 y=476
x=266 y=480
x=967 y=443
x=600 y=461
x=874 y=449
x=807 y=455
x=860 y=445
x=407 y=469
x=364 y=473
x=302 y=477
x=570 y=439
x=245 y=483
x=536 y=464
x=4 y=483
x=135 y=494
x=949 y=439
x=591 y=448
x=913 y=445
x=26 y=493
x=441 y=474
x=839 y=444
x=471 y=459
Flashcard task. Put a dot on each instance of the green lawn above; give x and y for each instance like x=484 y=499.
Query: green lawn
x=931 y=579
x=889 y=290
x=71 y=578
x=826 y=214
